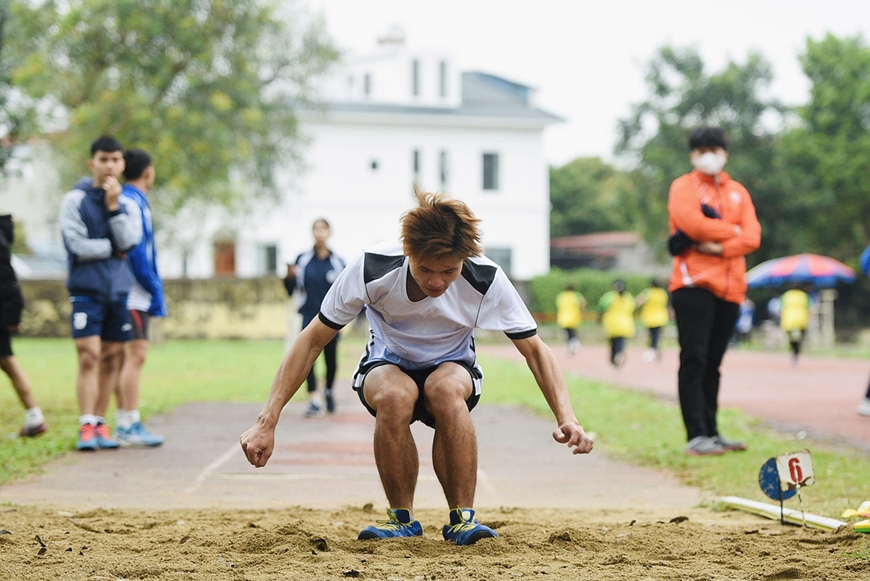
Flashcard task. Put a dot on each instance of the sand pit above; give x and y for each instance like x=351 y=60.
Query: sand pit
x=298 y=543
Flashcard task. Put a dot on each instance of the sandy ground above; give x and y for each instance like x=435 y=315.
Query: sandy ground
x=194 y=510
x=299 y=543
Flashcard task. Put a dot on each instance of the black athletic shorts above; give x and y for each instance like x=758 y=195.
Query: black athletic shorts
x=419 y=376
x=139 y=320
x=5 y=341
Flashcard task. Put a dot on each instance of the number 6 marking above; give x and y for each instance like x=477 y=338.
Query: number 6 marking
x=794 y=470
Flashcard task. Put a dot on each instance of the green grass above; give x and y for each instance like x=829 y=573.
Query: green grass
x=635 y=427
x=176 y=372
x=648 y=431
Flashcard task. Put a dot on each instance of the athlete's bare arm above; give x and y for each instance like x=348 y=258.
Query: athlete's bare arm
x=548 y=375
x=259 y=441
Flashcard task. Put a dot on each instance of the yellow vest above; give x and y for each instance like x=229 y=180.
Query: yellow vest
x=618 y=317
x=795 y=313
x=569 y=305
x=654 y=310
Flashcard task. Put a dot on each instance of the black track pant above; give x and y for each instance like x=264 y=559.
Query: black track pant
x=705 y=324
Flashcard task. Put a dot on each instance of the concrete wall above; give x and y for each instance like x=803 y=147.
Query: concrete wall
x=256 y=308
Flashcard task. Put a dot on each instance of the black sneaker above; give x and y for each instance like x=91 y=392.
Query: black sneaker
x=330 y=401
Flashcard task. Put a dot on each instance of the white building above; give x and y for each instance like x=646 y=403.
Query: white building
x=392 y=119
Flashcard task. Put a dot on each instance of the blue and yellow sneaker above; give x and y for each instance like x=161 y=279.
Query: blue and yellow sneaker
x=400 y=524
x=464 y=528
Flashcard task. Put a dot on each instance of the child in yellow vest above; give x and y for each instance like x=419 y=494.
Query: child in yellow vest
x=795 y=307
x=654 y=315
x=569 y=315
x=617 y=316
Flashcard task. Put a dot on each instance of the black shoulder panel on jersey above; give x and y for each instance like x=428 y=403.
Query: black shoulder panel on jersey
x=480 y=276
x=378 y=265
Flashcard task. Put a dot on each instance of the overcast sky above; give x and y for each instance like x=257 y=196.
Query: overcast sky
x=585 y=58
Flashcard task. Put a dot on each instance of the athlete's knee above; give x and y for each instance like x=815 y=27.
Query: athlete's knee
x=446 y=394
x=111 y=355
x=88 y=359
x=392 y=398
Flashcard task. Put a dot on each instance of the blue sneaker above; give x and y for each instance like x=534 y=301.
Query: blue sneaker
x=400 y=524
x=87 y=438
x=464 y=528
x=136 y=436
x=104 y=440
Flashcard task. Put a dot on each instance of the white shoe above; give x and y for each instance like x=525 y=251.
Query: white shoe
x=574 y=346
x=619 y=360
x=864 y=408
x=649 y=355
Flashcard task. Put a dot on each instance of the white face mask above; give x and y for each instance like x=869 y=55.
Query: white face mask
x=709 y=163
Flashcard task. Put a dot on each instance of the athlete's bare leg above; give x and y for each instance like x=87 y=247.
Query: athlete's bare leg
x=135 y=352
x=20 y=383
x=110 y=365
x=392 y=394
x=87 y=380
x=454 y=449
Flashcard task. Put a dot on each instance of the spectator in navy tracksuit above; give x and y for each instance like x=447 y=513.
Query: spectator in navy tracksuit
x=99 y=227
x=313 y=274
x=145 y=301
x=864 y=408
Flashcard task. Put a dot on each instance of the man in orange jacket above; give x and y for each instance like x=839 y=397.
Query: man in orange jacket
x=716 y=216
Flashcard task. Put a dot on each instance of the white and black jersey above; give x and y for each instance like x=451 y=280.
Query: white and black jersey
x=425 y=333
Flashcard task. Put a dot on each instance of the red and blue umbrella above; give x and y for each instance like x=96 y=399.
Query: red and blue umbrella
x=821 y=271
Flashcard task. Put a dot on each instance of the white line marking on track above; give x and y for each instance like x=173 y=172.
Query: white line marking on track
x=486 y=484
x=208 y=470
x=285 y=476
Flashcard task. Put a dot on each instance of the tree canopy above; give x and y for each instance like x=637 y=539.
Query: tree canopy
x=589 y=195
x=209 y=87
x=653 y=138
x=828 y=153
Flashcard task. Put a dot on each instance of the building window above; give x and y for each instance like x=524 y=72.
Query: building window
x=501 y=256
x=417 y=162
x=415 y=78
x=367 y=85
x=267 y=259
x=443 y=170
x=224 y=259
x=442 y=79
x=490 y=171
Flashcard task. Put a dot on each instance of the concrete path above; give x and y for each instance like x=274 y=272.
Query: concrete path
x=820 y=396
x=328 y=463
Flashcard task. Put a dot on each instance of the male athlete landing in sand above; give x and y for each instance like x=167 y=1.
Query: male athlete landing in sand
x=423 y=297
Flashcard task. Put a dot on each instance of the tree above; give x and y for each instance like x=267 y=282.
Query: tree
x=828 y=153
x=9 y=120
x=209 y=87
x=652 y=142
x=588 y=195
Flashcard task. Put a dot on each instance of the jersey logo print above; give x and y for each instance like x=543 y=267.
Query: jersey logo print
x=377 y=266
x=479 y=276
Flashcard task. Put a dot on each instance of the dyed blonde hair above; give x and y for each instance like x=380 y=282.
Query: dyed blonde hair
x=440 y=228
